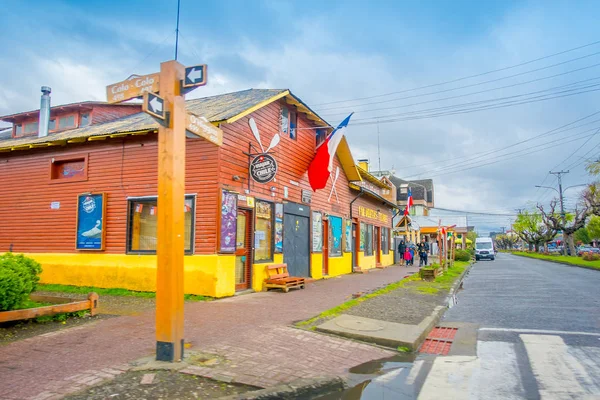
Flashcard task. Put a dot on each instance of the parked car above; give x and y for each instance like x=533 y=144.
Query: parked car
x=587 y=249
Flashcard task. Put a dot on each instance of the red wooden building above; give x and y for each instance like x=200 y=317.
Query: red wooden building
x=106 y=155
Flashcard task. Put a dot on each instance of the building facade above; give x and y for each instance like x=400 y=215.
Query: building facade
x=83 y=200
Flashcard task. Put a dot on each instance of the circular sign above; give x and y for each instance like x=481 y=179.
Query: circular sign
x=263 y=168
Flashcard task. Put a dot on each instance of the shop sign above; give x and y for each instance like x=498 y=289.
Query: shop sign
x=90 y=222
x=131 y=88
x=306 y=196
x=373 y=214
x=369 y=186
x=250 y=201
x=263 y=168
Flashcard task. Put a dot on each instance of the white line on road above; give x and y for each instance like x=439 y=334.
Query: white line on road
x=449 y=378
x=540 y=331
x=558 y=373
x=499 y=376
x=414 y=372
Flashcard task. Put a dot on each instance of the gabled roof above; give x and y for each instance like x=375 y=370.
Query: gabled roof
x=371 y=178
x=63 y=107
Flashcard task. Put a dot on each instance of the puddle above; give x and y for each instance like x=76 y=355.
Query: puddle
x=387 y=378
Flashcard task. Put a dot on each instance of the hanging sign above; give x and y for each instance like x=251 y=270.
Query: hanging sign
x=131 y=88
x=90 y=222
x=263 y=168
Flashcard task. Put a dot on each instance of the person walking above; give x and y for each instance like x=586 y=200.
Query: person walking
x=401 y=250
x=426 y=245
x=407 y=257
x=412 y=254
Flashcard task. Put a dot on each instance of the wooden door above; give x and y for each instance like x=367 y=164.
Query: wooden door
x=243 y=249
x=325 y=247
x=296 y=251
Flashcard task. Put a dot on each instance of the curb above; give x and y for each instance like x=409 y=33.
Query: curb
x=556 y=262
x=298 y=389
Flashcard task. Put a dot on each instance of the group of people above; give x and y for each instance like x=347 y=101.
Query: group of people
x=409 y=251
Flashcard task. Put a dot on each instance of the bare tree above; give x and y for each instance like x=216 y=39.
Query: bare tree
x=530 y=228
x=568 y=223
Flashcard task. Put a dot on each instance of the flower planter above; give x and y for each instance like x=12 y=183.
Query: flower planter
x=429 y=274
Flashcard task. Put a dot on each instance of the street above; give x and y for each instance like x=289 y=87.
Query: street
x=538 y=337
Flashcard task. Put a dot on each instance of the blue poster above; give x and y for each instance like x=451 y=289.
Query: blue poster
x=335 y=224
x=90 y=222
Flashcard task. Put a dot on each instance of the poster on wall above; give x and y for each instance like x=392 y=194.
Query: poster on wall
x=348 y=237
x=278 y=228
x=90 y=222
x=317 y=231
x=228 y=222
x=363 y=229
x=335 y=225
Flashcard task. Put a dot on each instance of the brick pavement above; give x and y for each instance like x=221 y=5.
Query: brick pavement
x=251 y=333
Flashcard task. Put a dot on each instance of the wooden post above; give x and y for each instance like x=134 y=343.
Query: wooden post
x=171 y=194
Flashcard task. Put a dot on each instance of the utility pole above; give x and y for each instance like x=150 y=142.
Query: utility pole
x=562 y=206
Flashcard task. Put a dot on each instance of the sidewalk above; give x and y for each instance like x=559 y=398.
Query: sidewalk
x=252 y=332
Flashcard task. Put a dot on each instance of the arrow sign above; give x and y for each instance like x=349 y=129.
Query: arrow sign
x=154 y=105
x=201 y=127
x=195 y=76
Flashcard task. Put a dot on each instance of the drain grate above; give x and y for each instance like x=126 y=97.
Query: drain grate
x=439 y=341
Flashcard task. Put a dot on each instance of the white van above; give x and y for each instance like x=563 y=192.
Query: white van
x=484 y=248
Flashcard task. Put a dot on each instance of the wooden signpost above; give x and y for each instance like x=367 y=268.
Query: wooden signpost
x=200 y=127
x=168 y=110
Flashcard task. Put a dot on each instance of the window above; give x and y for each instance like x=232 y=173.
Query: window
x=66 y=122
x=321 y=135
x=31 y=127
x=142 y=225
x=385 y=240
x=293 y=124
x=18 y=129
x=85 y=119
x=263 y=232
x=285 y=120
x=363 y=233
x=335 y=236
x=368 y=240
x=52 y=124
x=68 y=169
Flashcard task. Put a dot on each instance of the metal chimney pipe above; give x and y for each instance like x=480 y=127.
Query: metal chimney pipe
x=44 y=112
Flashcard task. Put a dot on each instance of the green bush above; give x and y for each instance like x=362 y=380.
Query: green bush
x=462 y=255
x=589 y=256
x=19 y=276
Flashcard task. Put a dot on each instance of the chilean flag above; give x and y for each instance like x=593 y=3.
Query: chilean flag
x=409 y=202
x=321 y=166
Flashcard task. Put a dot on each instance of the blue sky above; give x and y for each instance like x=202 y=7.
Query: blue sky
x=327 y=51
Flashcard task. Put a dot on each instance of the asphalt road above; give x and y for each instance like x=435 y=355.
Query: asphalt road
x=534 y=331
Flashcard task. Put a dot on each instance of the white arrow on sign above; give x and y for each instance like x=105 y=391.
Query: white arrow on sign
x=194 y=74
x=156 y=105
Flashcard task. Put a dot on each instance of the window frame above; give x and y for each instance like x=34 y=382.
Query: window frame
x=272 y=258
x=385 y=233
x=148 y=199
x=75 y=157
x=369 y=248
x=75 y=121
x=89 y=119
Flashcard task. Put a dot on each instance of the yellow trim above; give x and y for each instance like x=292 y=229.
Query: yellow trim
x=94 y=138
x=372 y=178
x=77 y=140
x=256 y=107
x=347 y=160
x=118 y=135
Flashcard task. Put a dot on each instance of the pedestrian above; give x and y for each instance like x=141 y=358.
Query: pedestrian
x=407 y=257
x=426 y=251
x=412 y=255
x=401 y=249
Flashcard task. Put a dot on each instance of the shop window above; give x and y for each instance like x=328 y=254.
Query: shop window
x=285 y=120
x=18 y=129
x=321 y=135
x=363 y=234
x=84 y=120
x=293 y=124
x=335 y=236
x=31 y=127
x=66 y=122
x=52 y=124
x=385 y=240
x=68 y=169
x=263 y=232
x=142 y=225
x=368 y=240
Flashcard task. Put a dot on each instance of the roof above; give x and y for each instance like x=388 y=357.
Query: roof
x=5 y=133
x=62 y=107
x=371 y=178
x=417 y=188
x=371 y=194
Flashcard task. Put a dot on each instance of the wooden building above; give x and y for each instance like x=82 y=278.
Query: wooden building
x=101 y=170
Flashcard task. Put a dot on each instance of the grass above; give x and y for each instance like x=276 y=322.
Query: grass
x=413 y=282
x=110 y=292
x=577 y=261
x=28 y=303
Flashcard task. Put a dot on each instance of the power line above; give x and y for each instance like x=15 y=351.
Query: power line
x=470 y=85
x=470 y=212
x=478 y=92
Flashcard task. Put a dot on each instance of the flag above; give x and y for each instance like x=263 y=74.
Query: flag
x=409 y=202
x=321 y=166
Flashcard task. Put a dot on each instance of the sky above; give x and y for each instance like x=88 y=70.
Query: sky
x=484 y=152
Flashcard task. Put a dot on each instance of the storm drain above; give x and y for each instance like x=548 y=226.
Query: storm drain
x=439 y=341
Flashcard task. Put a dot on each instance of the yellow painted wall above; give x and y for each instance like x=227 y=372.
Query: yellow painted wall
x=208 y=275
x=316 y=265
x=340 y=265
x=366 y=262
x=259 y=272
x=387 y=259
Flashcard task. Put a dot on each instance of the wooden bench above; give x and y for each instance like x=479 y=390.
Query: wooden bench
x=280 y=278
